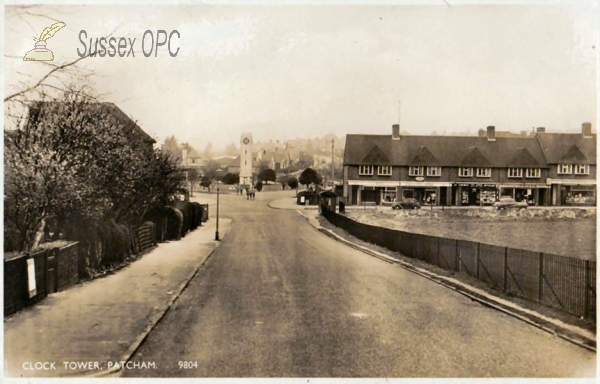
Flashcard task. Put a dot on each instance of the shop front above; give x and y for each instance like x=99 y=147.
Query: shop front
x=574 y=192
x=532 y=194
x=481 y=194
x=378 y=192
x=426 y=193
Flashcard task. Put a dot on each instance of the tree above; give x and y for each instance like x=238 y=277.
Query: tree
x=208 y=151
x=259 y=186
x=193 y=178
x=262 y=165
x=73 y=158
x=267 y=175
x=206 y=182
x=210 y=169
x=310 y=176
x=231 y=150
x=283 y=180
x=293 y=182
x=305 y=161
x=172 y=147
x=231 y=178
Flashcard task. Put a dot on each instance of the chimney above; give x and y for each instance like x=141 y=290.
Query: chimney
x=491 y=133
x=481 y=132
x=396 y=132
x=586 y=129
x=540 y=129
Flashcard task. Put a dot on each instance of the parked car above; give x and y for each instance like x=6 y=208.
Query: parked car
x=407 y=204
x=509 y=202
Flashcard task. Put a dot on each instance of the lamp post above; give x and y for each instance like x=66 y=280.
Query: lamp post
x=217 y=173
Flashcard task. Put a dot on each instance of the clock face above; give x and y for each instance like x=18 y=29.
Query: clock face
x=246 y=140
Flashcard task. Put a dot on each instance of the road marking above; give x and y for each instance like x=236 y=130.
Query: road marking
x=358 y=315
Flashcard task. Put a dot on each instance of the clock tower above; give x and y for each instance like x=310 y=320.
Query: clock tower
x=246 y=160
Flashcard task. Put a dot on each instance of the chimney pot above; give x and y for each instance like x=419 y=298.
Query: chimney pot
x=491 y=133
x=396 y=132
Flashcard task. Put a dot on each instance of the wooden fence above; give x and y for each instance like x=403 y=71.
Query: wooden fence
x=560 y=282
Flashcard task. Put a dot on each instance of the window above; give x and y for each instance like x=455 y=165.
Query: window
x=365 y=170
x=384 y=170
x=532 y=172
x=388 y=194
x=564 y=169
x=515 y=172
x=415 y=171
x=434 y=171
x=465 y=172
x=484 y=172
x=582 y=169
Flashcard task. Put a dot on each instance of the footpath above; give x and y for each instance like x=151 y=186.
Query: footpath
x=569 y=332
x=93 y=328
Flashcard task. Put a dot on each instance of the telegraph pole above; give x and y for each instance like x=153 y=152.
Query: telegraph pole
x=332 y=176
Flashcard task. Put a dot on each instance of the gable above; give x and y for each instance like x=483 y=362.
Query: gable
x=475 y=159
x=425 y=158
x=573 y=155
x=375 y=157
x=523 y=158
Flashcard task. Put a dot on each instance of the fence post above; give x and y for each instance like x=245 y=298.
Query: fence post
x=477 y=260
x=588 y=283
x=438 y=252
x=505 y=271
x=456 y=257
x=541 y=276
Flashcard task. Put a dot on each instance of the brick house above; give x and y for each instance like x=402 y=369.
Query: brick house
x=445 y=170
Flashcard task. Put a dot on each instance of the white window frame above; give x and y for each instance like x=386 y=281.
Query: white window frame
x=365 y=170
x=415 y=171
x=484 y=172
x=465 y=172
x=533 y=173
x=581 y=169
x=564 y=169
x=384 y=170
x=434 y=171
x=514 y=173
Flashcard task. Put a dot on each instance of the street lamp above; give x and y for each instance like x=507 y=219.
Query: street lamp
x=217 y=173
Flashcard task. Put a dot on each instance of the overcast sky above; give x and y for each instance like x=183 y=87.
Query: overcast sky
x=284 y=71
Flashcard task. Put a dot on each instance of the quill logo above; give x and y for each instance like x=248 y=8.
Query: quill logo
x=40 y=52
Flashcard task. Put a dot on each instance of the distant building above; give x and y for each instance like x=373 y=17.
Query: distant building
x=246 y=160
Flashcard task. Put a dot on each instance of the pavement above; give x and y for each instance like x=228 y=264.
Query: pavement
x=571 y=333
x=95 y=327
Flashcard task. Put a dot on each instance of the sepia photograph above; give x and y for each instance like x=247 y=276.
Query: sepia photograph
x=300 y=190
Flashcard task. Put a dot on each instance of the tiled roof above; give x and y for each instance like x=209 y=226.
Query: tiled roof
x=556 y=146
x=475 y=159
x=375 y=157
x=573 y=155
x=524 y=159
x=425 y=157
x=129 y=125
x=450 y=151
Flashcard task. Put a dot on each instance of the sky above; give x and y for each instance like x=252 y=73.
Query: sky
x=284 y=71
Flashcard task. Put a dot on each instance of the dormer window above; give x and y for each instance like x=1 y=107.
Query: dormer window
x=582 y=169
x=532 y=173
x=384 y=170
x=515 y=172
x=434 y=171
x=415 y=171
x=465 y=172
x=484 y=172
x=365 y=170
x=564 y=169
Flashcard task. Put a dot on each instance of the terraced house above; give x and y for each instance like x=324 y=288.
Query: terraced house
x=471 y=170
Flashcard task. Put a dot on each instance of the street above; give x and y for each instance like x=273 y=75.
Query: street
x=280 y=299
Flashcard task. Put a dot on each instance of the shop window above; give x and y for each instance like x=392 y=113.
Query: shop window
x=581 y=195
x=484 y=172
x=388 y=194
x=565 y=169
x=465 y=172
x=532 y=172
x=384 y=170
x=434 y=171
x=582 y=169
x=415 y=171
x=515 y=172
x=365 y=170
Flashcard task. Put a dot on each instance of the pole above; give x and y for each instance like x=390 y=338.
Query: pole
x=217 y=230
x=332 y=185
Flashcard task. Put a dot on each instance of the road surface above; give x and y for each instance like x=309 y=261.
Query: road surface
x=280 y=299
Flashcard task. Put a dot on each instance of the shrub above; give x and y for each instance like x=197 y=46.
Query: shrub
x=116 y=240
x=174 y=223
x=197 y=210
